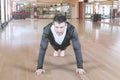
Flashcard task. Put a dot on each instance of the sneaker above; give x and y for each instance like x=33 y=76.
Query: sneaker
x=55 y=53
x=62 y=53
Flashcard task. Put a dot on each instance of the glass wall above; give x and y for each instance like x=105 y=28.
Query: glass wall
x=40 y=10
x=105 y=11
x=88 y=10
x=49 y=11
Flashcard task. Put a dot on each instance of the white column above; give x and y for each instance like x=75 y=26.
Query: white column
x=9 y=7
x=6 y=6
x=72 y=11
x=2 y=12
x=76 y=10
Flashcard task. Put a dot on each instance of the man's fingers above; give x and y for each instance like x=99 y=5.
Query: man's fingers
x=80 y=71
x=39 y=72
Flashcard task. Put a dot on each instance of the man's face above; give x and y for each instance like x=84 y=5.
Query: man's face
x=59 y=28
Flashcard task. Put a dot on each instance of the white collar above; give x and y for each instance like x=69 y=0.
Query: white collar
x=58 y=39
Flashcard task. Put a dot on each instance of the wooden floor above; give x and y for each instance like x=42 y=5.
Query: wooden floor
x=19 y=47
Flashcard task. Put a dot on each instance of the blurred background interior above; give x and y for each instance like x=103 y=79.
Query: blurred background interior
x=45 y=9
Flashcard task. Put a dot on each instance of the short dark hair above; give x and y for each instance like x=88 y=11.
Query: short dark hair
x=59 y=18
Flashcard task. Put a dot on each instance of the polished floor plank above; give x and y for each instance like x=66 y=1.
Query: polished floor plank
x=114 y=21
x=19 y=47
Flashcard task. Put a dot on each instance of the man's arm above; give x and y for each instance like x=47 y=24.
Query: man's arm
x=43 y=47
x=77 y=49
x=78 y=53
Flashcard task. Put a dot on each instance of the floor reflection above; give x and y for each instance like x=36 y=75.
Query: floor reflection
x=20 y=43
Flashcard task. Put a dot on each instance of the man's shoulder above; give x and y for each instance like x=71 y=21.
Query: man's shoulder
x=48 y=26
x=46 y=29
x=70 y=25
